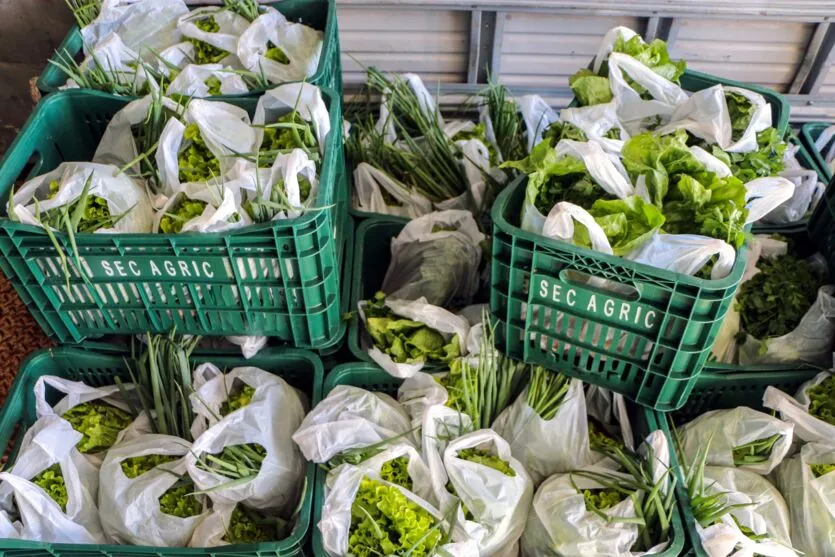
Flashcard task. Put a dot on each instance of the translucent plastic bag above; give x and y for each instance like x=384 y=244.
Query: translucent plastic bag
x=372 y=187
x=225 y=215
x=145 y=26
x=230 y=28
x=795 y=410
x=191 y=82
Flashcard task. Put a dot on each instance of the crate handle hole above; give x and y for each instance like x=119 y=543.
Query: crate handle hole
x=604 y=286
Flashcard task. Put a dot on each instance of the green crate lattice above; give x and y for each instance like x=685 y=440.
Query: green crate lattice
x=301 y=369
x=276 y=279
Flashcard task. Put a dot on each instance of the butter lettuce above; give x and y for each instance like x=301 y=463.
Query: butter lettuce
x=590 y=88
x=766 y=160
x=99 y=423
x=628 y=223
x=52 y=482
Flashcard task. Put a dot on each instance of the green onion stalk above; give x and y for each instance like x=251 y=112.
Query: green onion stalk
x=547 y=391
x=147 y=135
x=100 y=77
x=238 y=463
x=359 y=455
x=508 y=125
x=756 y=451
x=84 y=11
x=653 y=499
x=249 y=9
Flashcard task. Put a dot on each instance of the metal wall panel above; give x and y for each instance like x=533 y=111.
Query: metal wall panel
x=433 y=43
x=828 y=87
x=764 y=52
x=543 y=50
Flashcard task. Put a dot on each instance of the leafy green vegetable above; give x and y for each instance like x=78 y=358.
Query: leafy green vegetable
x=385 y=522
x=766 y=160
x=822 y=400
x=453 y=382
x=546 y=392
x=236 y=462
x=185 y=210
x=249 y=526
x=756 y=451
x=628 y=223
x=51 y=481
x=564 y=130
x=180 y=501
x=590 y=88
x=135 y=466
x=265 y=210
x=213 y=83
x=407 y=341
x=289 y=132
x=237 y=399
x=740 y=110
x=396 y=471
x=479 y=132
x=772 y=302
x=276 y=54
x=602 y=499
x=600 y=440
x=657 y=158
x=204 y=53
x=99 y=423
x=196 y=162
x=485 y=458
x=822 y=469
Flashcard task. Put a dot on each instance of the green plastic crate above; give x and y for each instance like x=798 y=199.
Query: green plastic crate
x=372 y=254
x=371 y=377
x=301 y=369
x=719 y=388
x=319 y=14
x=809 y=133
x=277 y=279
x=661 y=331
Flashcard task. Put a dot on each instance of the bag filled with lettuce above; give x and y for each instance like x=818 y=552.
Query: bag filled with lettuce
x=232 y=524
x=811 y=409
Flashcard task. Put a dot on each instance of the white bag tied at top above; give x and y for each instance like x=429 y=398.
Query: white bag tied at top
x=231 y=26
x=301 y=45
x=350 y=418
x=807 y=190
x=146 y=26
x=124 y=196
x=51 y=442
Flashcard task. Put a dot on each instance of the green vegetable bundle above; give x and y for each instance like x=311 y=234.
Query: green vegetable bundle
x=196 y=162
x=99 y=423
x=51 y=480
x=205 y=53
x=822 y=400
x=249 y=526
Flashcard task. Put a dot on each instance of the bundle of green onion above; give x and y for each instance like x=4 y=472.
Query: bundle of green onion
x=756 y=451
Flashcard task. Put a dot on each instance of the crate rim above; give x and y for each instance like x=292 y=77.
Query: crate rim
x=305 y=516
x=329 y=37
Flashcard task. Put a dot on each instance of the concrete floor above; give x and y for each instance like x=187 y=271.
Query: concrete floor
x=30 y=31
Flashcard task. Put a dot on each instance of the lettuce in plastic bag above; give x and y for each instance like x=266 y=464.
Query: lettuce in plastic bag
x=628 y=223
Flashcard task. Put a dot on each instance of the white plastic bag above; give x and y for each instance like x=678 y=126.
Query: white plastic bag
x=286 y=173
x=122 y=64
x=123 y=195
x=440 y=425
x=142 y=522
x=763 y=195
x=795 y=410
x=498 y=503
x=214 y=218
x=547 y=447
x=724 y=430
x=268 y=420
x=146 y=26
x=609 y=410
x=226 y=38
x=606 y=169
x=421 y=391
x=807 y=191
x=191 y=81
x=301 y=44
x=443 y=321
x=250 y=345
x=686 y=254
x=371 y=182
x=762 y=510
x=436 y=257
x=51 y=441
x=595 y=121
x=810 y=499
x=305 y=98
x=537 y=116
x=350 y=418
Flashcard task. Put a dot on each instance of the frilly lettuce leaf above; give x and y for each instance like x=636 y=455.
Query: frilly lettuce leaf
x=766 y=160
x=656 y=157
x=653 y=55
x=740 y=110
x=628 y=223
x=590 y=88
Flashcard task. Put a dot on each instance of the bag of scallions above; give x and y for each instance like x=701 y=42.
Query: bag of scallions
x=546 y=426
x=757 y=524
x=279 y=50
x=195 y=81
x=436 y=257
x=99 y=414
x=369 y=511
x=231 y=524
x=592 y=511
x=251 y=416
x=52 y=486
x=84 y=197
x=292 y=116
x=491 y=491
x=809 y=488
x=182 y=213
x=348 y=422
x=407 y=335
x=811 y=410
x=110 y=61
x=740 y=437
x=150 y=472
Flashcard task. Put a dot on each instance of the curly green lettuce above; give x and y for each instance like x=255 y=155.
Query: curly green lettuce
x=99 y=423
x=396 y=471
x=51 y=481
x=822 y=400
x=213 y=83
x=766 y=160
x=819 y=470
x=485 y=458
x=602 y=499
x=249 y=526
x=407 y=341
x=599 y=439
x=386 y=522
x=185 y=210
x=204 y=53
x=196 y=162
x=276 y=54
x=290 y=131
x=238 y=399
x=180 y=501
x=135 y=466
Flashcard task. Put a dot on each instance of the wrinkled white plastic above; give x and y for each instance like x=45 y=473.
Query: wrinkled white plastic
x=350 y=418
x=419 y=392
x=811 y=500
x=686 y=254
x=370 y=182
x=268 y=420
x=226 y=38
x=559 y=224
x=142 y=522
x=606 y=169
x=301 y=44
x=763 y=195
x=499 y=503
x=146 y=26
x=723 y=430
x=123 y=64
x=795 y=410
x=547 y=447
x=440 y=425
x=307 y=101
x=250 y=345
x=595 y=121
x=438 y=318
x=607 y=44
x=763 y=510
x=807 y=191
x=537 y=116
x=50 y=441
x=441 y=266
x=121 y=192
x=213 y=218
x=711 y=163
x=191 y=81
